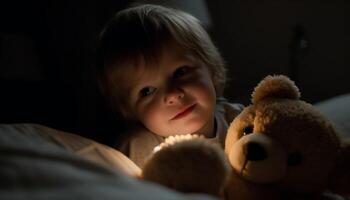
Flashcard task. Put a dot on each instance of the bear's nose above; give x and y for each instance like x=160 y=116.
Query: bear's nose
x=255 y=152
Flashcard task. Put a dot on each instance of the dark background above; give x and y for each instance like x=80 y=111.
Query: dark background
x=47 y=50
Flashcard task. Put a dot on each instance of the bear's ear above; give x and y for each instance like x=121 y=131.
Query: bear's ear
x=339 y=181
x=277 y=86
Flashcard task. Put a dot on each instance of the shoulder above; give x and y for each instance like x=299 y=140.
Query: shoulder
x=138 y=143
x=228 y=109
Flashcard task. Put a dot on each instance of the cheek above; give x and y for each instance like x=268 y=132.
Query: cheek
x=205 y=91
x=150 y=114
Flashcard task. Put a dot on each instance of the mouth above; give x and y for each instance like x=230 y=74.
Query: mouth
x=184 y=112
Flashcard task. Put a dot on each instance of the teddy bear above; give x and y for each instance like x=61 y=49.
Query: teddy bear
x=279 y=147
x=188 y=163
x=283 y=141
x=192 y=164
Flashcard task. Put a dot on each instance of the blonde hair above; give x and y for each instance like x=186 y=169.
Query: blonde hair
x=143 y=30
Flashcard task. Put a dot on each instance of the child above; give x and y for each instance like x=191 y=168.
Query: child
x=160 y=69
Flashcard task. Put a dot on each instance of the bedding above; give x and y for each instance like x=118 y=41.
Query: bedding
x=337 y=109
x=37 y=162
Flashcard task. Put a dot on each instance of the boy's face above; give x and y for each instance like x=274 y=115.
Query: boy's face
x=175 y=97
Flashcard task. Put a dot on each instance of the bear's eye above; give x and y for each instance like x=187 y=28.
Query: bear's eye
x=248 y=130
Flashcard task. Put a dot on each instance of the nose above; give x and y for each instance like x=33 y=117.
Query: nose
x=174 y=96
x=256 y=152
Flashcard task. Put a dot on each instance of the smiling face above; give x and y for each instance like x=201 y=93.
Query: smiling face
x=173 y=94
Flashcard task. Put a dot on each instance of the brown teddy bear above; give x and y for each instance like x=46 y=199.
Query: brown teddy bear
x=189 y=163
x=278 y=148
x=283 y=141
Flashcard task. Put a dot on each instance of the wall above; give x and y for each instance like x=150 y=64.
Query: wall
x=48 y=49
x=305 y=40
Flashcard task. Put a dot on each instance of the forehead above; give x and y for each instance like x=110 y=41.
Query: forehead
x=144 y=66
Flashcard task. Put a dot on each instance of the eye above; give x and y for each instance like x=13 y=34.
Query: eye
x=147 y=91
x=248 y=130
x=179 y=72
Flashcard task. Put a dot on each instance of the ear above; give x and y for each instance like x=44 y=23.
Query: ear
x=340 y=178
x=277 y=86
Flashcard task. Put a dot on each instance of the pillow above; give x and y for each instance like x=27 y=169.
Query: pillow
x=86 y=148
x=38 y=162
x=337 y=109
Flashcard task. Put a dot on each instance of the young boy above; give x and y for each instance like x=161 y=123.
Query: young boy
x=159 y=68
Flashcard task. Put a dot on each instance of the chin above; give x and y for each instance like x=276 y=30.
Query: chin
x=192 y=126
x=195 y=129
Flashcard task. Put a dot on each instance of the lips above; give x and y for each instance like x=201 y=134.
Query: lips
x=187 y=110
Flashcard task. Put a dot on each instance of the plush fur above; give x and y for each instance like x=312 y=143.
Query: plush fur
x=278 y=148
x=283 y=141
x=186 y=163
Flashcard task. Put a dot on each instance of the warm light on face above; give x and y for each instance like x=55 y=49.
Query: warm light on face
x=174 y=95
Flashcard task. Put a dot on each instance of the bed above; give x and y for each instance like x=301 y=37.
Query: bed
x=38 y=162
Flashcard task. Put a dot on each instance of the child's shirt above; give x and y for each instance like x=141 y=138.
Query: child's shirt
x=139 y=143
